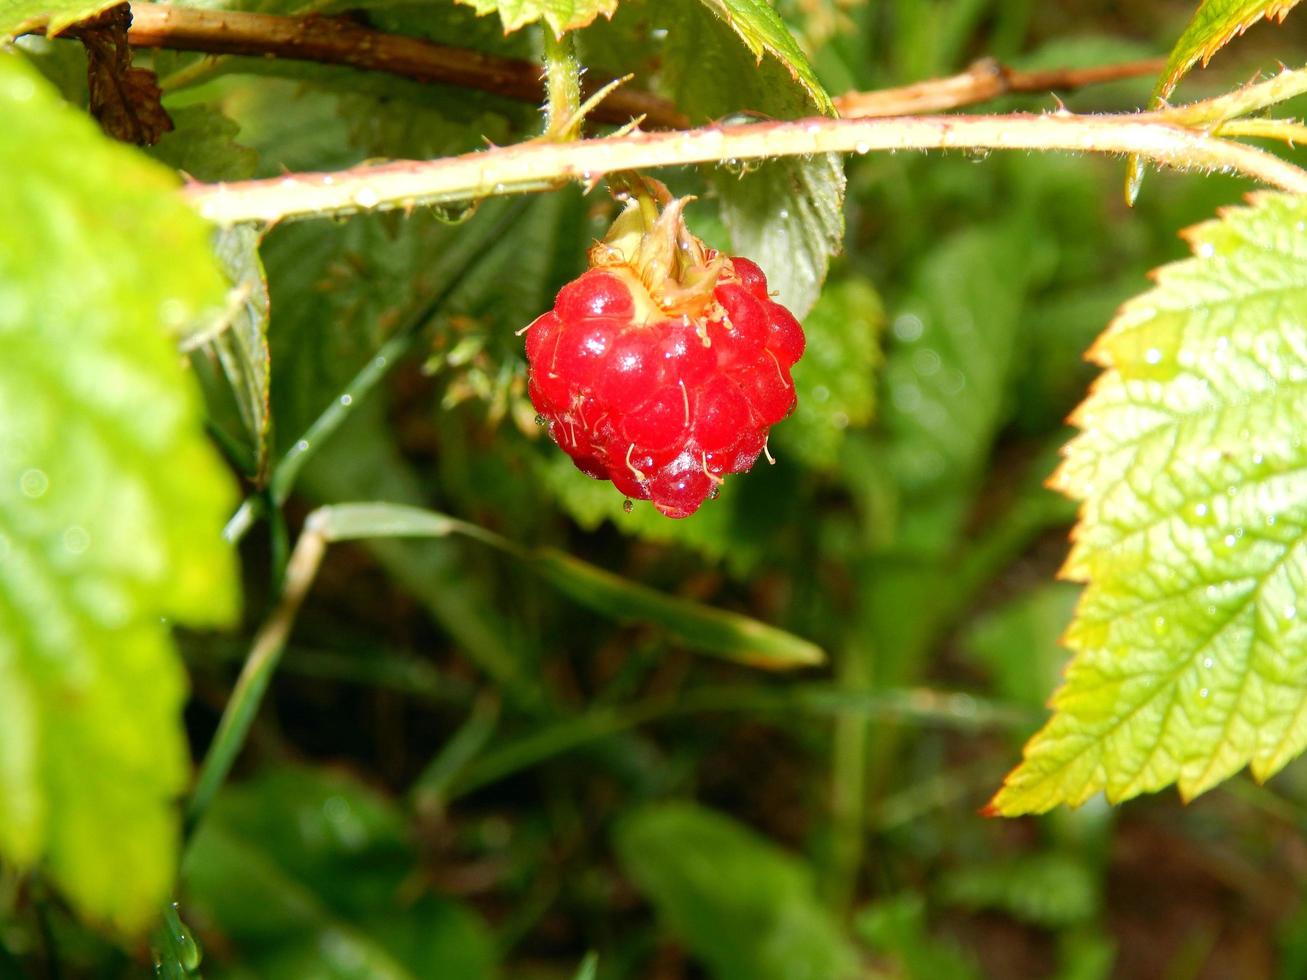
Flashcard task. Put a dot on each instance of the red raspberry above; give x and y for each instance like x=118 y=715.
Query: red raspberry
x=663 y=366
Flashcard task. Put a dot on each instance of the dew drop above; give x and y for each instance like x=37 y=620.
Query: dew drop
x=1203 y=692
x=628 y=505
x=1159 y=625
x=1200 y=510
x=366 y=197
x=1153 y=356
x=1208 y=662
x=1206 y=250
x=346 y=400
x=34 y=483
x=76 y=539
x=302 y=446
x=542 y=421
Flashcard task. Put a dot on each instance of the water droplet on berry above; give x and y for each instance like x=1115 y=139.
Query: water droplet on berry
x=628 y=505
x=715 y=492
x=542 y=421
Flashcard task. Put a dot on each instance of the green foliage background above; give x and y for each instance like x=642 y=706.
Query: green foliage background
x=489 y=752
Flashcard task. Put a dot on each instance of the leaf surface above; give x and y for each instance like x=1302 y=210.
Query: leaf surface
x=762 y=31
x=1190 y=649
x=20 y=16
x=111 y=503
x=561 y=15
x=1212 y=28
x=302 y=873
x=743 y=906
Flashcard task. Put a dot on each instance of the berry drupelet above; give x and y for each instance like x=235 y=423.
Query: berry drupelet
x=664 y=365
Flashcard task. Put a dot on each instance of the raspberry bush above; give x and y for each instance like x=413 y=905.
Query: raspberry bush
x=519 y=704
x=663 y=366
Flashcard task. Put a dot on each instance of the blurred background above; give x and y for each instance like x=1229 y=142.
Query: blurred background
x=462 y=773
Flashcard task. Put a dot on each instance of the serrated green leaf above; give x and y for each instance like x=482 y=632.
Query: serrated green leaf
x=202 y=144
x=1189 y=639
x=19 y=16
x=1212 y=28
x=743 y=906
x=111 y=503
x=762 y=30
x=837 y=373
x=561 y=15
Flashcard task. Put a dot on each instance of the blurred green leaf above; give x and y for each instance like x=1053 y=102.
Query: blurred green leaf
x=896 y=927
x=723 y=530
x=743 y=906
x=1188 y=638
x=1051 y=890
x=301 y=873
x=836 y=378
x=111 y=503
x=717 y=631
x=1018 y=642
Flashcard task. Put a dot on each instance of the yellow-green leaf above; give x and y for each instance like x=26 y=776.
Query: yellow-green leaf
x=111 y=503
x=19 y=16
x=1212 y=28
x=1190 y=640
x=561 y=15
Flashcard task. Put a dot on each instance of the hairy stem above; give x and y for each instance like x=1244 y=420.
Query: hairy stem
x=538 y=166
x=562 y=86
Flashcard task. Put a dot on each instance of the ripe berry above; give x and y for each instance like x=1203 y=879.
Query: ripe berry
x=663 y=366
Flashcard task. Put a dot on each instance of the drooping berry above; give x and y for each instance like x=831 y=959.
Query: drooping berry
x=663 y=366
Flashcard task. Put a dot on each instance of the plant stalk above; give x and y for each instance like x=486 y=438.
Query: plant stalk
x=540 y=165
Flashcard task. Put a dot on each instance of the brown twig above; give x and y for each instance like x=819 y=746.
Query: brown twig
x=339 y=41
x=984 y=80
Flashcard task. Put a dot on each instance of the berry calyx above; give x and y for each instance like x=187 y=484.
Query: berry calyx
x=663 y=366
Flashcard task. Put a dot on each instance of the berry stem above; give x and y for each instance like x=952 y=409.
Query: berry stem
x=562 y=87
